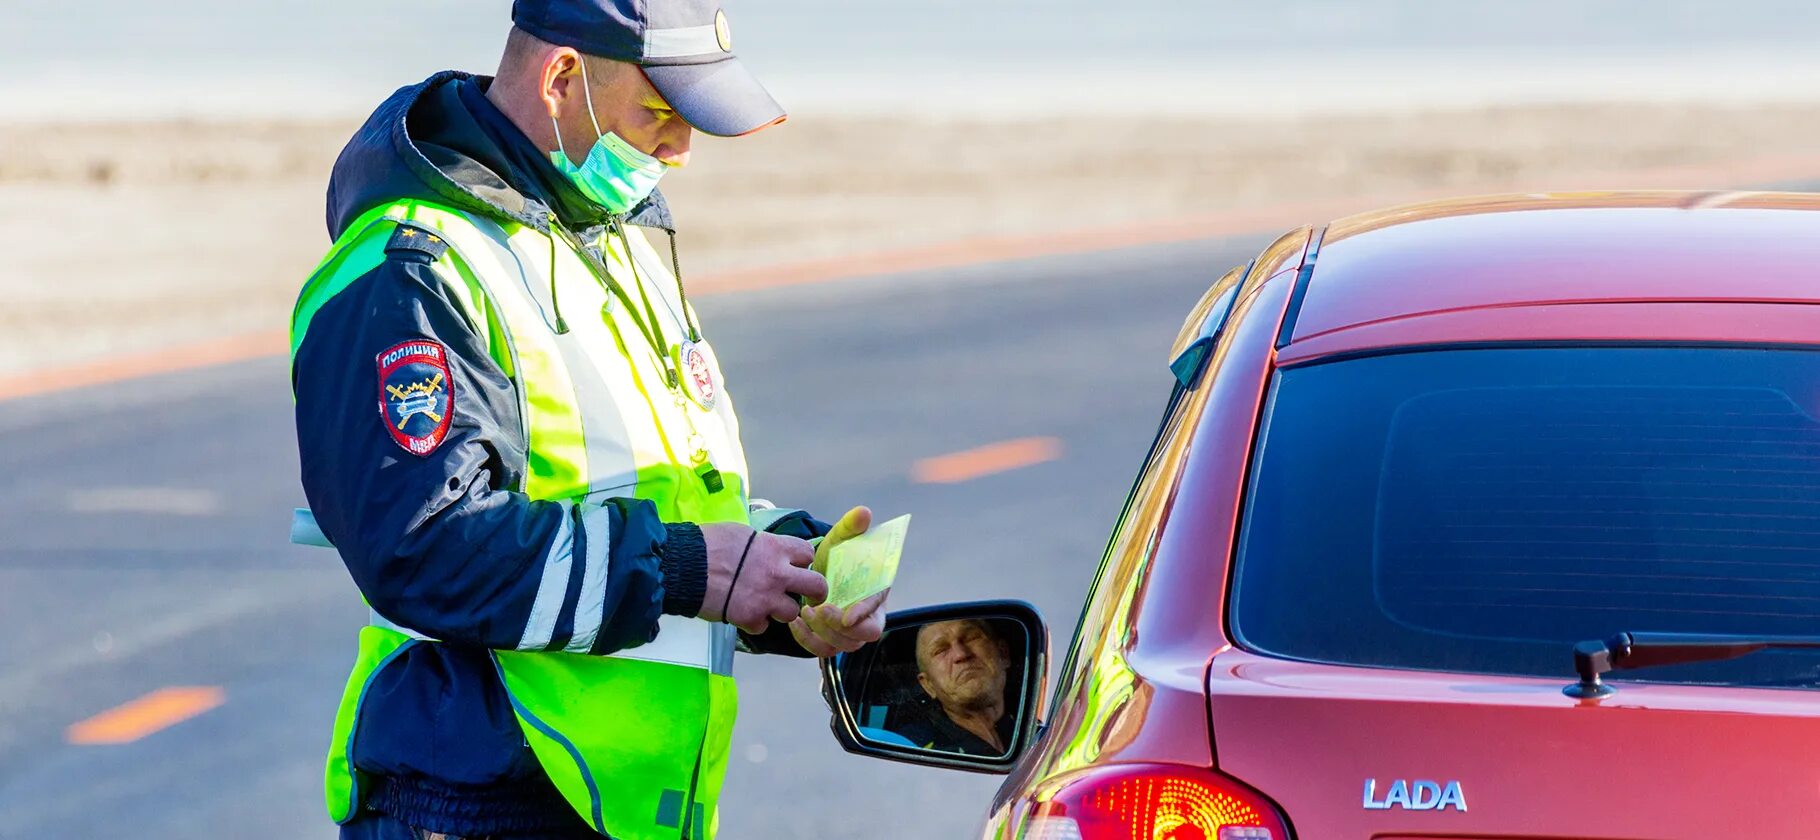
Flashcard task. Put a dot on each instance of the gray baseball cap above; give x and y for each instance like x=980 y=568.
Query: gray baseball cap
x=685 y=48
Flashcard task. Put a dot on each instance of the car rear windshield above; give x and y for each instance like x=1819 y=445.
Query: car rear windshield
x=1482 y=510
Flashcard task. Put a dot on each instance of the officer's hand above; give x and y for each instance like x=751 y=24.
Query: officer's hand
x=826 y=629
x=776 y=567
x=854 y=523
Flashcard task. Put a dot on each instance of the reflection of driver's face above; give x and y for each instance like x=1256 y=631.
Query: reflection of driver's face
x=961 y=665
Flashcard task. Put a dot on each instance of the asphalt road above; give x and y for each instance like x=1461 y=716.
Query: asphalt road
x=143 y=541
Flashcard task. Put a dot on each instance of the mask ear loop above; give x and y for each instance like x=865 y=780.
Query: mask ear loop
x=562 y=326
x=550 y=104
x=587 y=91
x=557 y=130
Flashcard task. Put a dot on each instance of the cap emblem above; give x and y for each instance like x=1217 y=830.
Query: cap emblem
x=722 y=31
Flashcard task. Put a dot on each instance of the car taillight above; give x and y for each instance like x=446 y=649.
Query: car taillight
x=1153 y=802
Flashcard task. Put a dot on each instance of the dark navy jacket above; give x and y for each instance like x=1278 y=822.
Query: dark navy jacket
x=440 y=542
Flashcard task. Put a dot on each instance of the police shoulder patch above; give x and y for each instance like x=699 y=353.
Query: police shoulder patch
x=411 y=239
x=416 y=395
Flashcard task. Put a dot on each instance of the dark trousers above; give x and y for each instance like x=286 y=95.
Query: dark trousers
x=376 y=826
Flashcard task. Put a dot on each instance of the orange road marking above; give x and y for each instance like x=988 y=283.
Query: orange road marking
x=155 y=711
x=151 y=363
x=992 y=458
x=1238 y=222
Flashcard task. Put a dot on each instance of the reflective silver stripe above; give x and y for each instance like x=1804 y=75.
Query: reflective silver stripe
x=726 y=641
x=597 y=526
x=551 y=588
x=680 y=641
x=612 y=468
x=377 y=620
x=458 y=286
x=681 y=42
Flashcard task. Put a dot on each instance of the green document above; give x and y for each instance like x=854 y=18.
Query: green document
x=867 y=564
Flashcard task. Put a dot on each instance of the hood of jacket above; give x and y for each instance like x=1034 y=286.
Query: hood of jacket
x=441 y=141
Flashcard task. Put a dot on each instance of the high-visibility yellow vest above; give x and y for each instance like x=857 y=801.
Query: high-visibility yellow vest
x=637 y=741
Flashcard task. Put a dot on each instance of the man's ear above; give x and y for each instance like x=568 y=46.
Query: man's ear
x=922 y=679
x=561 y=74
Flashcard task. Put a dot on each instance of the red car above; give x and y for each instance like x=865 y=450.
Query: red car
x=1487 y=518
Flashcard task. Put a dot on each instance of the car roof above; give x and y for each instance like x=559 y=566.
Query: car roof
x=1513 y=259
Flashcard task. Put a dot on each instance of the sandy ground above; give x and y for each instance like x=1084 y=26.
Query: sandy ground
x=124 y=237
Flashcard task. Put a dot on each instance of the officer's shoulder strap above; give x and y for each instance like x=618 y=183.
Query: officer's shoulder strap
x=432 y=234
x=355 y=253
x=409 y=239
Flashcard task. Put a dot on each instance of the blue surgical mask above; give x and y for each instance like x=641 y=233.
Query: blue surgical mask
x=615 y=175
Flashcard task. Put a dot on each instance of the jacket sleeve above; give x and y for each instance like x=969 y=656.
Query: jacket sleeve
x=432 y=528
x=790 y=523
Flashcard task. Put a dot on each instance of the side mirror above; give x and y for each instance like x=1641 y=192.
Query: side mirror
x=955 y=685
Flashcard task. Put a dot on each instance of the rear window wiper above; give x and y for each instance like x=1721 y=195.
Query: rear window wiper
x=1625 y=651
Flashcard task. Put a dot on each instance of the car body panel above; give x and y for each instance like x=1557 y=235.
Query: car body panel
x=1211 y=481
x=1543 y=251
x=1721 y=323
x=1153 y=675
x=1648 y=762
x=1134 y=687
x=1287 y=253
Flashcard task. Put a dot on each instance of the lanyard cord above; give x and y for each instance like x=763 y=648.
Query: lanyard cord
x=681 y=296
x=562 y=327
x=698 y=449
x=648 y=326
x=663 y=350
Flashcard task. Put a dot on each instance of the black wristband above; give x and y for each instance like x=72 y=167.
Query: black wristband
x=736 y=570
x=683 y=559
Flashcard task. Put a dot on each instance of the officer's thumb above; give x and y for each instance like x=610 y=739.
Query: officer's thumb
x=852 y=524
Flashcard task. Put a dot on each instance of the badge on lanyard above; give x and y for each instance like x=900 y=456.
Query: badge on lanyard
x=697 y=375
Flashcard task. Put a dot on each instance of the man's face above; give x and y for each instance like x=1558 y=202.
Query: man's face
x=626 y=104
x=961 y=664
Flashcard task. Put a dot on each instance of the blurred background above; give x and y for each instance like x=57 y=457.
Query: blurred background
x=945 y=287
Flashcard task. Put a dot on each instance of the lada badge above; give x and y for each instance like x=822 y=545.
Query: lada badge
x=1419 y=795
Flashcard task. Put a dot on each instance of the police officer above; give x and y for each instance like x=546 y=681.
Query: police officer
x=514 y=431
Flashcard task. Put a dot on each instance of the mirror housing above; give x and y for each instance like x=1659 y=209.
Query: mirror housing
x=850 y=679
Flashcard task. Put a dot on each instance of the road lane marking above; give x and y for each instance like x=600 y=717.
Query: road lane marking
x=970 y=464
x=227 y=605
x=143 y=364
x=170 y=501
x=1235 y=222
x=158 y=710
